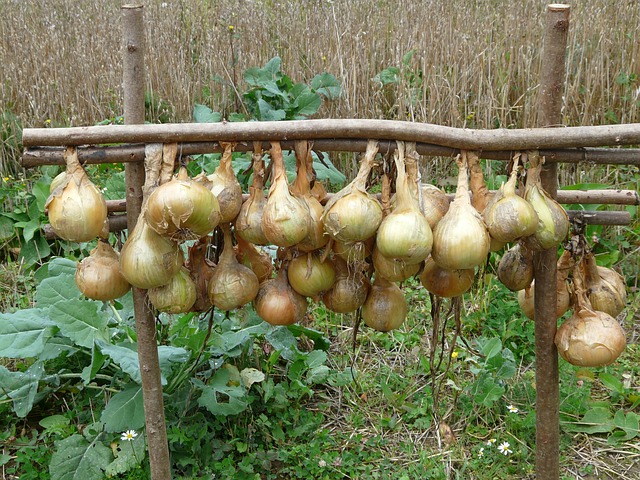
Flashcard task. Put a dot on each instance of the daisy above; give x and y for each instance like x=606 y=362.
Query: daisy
x=504 y=448
x=491 y=442
x=128 y=435
x=512 y=409
x=481 y=452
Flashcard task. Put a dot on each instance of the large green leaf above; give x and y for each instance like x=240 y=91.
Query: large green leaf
x=486 y=391
x=97 y=361
x=203 y=114
x=327 y=85
x=258 y=77
x=125 y=410
x=307 y=104
x=76 y=458
x=57 y=346
x=34 y=251
x=80 y=321
x=596 y=420
x=24 y=333
x=220 y=397
x=56 y=288
x=21 y=387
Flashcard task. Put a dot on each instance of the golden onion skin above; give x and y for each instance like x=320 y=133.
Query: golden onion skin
x=98 y=276
x=386 y=307
x=177 y=296
x=445 y=283
x=279 y=304
x=309 y=276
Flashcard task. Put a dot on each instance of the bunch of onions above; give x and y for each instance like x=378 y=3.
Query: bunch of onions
x=311 y=275
x=589 y=338
x=435 y=204
x=147 y=259
x=279 y=304
x=225 y=185
x=352 y=252
x=461 y=240
x=515 y=269
x=76 y=208
x=605 y=288
x=405 y=233
x=350 y=289
x=394 y=270
x=257 y=260
x=352 y=215
x=177 y=296
x=232 y=284
x=201 y=269
x=510 y=217
x=526 y=297
x=98 y=276
x=248 y=224
x=286 y=219
x=385 y=308
x=182 y=208
x=553 y=221
x=445 y=283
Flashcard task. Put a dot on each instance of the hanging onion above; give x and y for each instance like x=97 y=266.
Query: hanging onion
x=232 y=284
x=445 y=283
x=352 y=215
x=225 y=185
x=605 y=288
x=350 y=289
x=254 y=258
x=393 y=269
x=353 y=252
x=461 y=240
x=57 y=181
x=279 y=304
x=435 y=204
x=182 y=209
x=386 y=307
x=286 y=219
x=177 y=296
x=76 y=208
x=201 y=270
x=98 y=276
x=310 y=276
x=248 y=224
x=515 y=269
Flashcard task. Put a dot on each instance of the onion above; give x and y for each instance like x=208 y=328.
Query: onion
x=392 y=269
x=182 y=209
x=553 y=221
x=405 y=233
x=57 y=181
x=435 y=204
x=385 y=308
x=232 y=284
x=248 y=224
x=510 y=217
x=279 y=304
x=225 y=185
x=76 y=208
x=461 y=240
x=352 y=215
x=350 y=289
x=201 y=270
x=605 y=287
x=445 y=283
x=98 y=276
x=147 y=259
x=480 y=195
x=589 y=338
x=310 y=276
x=286 y=219
x=515 y=269
x=252 y=257
x=178 y=296
x=353 y=252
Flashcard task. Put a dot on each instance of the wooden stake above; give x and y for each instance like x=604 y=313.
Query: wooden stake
x=134 y=88
x=547 y=381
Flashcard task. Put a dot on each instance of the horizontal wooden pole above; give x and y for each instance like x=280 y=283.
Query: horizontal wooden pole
x=460 y=138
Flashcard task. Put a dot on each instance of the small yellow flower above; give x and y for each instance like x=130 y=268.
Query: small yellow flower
x=454 y=354
x=231 y=28
x=6 y=179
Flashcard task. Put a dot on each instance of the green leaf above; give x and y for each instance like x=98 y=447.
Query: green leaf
x=80 y=321
x=612 y=383
x=326 y=85
x=203 y=114
x=34 y=251
x=7 y=230
x=54 y=423
x=326 y=171
x=629 y=424
x=283 y=341
x=491 y=347
x=258 y=77
x=21 y=387
x=217 y=391
x=485 y=391
x=388 y=76
x=76 y=458
x=40 y=191
x=24 y=333
x=97 y=361
x=61 y=265
x=250 y=376
x=125 y=410
x=129 y=454
x=115 y=186
x=596 y=420
x=268 y=113
x=307 y=104
x=55 y=347
x=58 y=288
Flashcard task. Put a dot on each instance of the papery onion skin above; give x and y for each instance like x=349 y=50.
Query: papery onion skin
x=309 y=276
x=349 y=291
x=386 y=307
x=57 y=181
x=232 y=286
x=225 y=186
x=279 y=304
x=354 y=218
x=435 y=204
x=515 y=269
x=392 y=269
x=353 y=252
x=445 y=283
x=257 y=260
x=98 y=276
x=249 y=221
x=526 y=300
x=177 y=296
x=405 y=236
x=605 y=288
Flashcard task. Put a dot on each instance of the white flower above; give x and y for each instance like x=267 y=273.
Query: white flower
x=322 y=463
x=504 y=448
x=481 y=452
x=128 y=435
x=491 y=442
x=512 y=409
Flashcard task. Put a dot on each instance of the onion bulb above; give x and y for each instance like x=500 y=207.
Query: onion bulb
x=386 y=307
x=394 y=270
x=225 y=185
x=553 y=221
x=98 y=276
x=510 y=217
x=605 y=288
x=286 y=219
x=182 y=209
x=435 y=204
x=279 y=304
x=177 y=296
x=515 y=269
x=589 y=338
x=57 y=181
x=232 y=284
x=350 y=289
x=310 y=276
x=248 y=224
x=352 y=215
x=445 y=283
x=352 y=252
x=405 y=233
x=461 y=240
x=201 y=269
x=76 y=208
x=254 y=258
x=147 y=259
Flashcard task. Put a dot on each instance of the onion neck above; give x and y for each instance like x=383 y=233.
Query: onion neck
x=462 y=191
x=226 y=168
x=366 y=164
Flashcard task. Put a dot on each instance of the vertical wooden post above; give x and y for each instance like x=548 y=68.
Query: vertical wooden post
x=547 y=381
x=134 y=88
